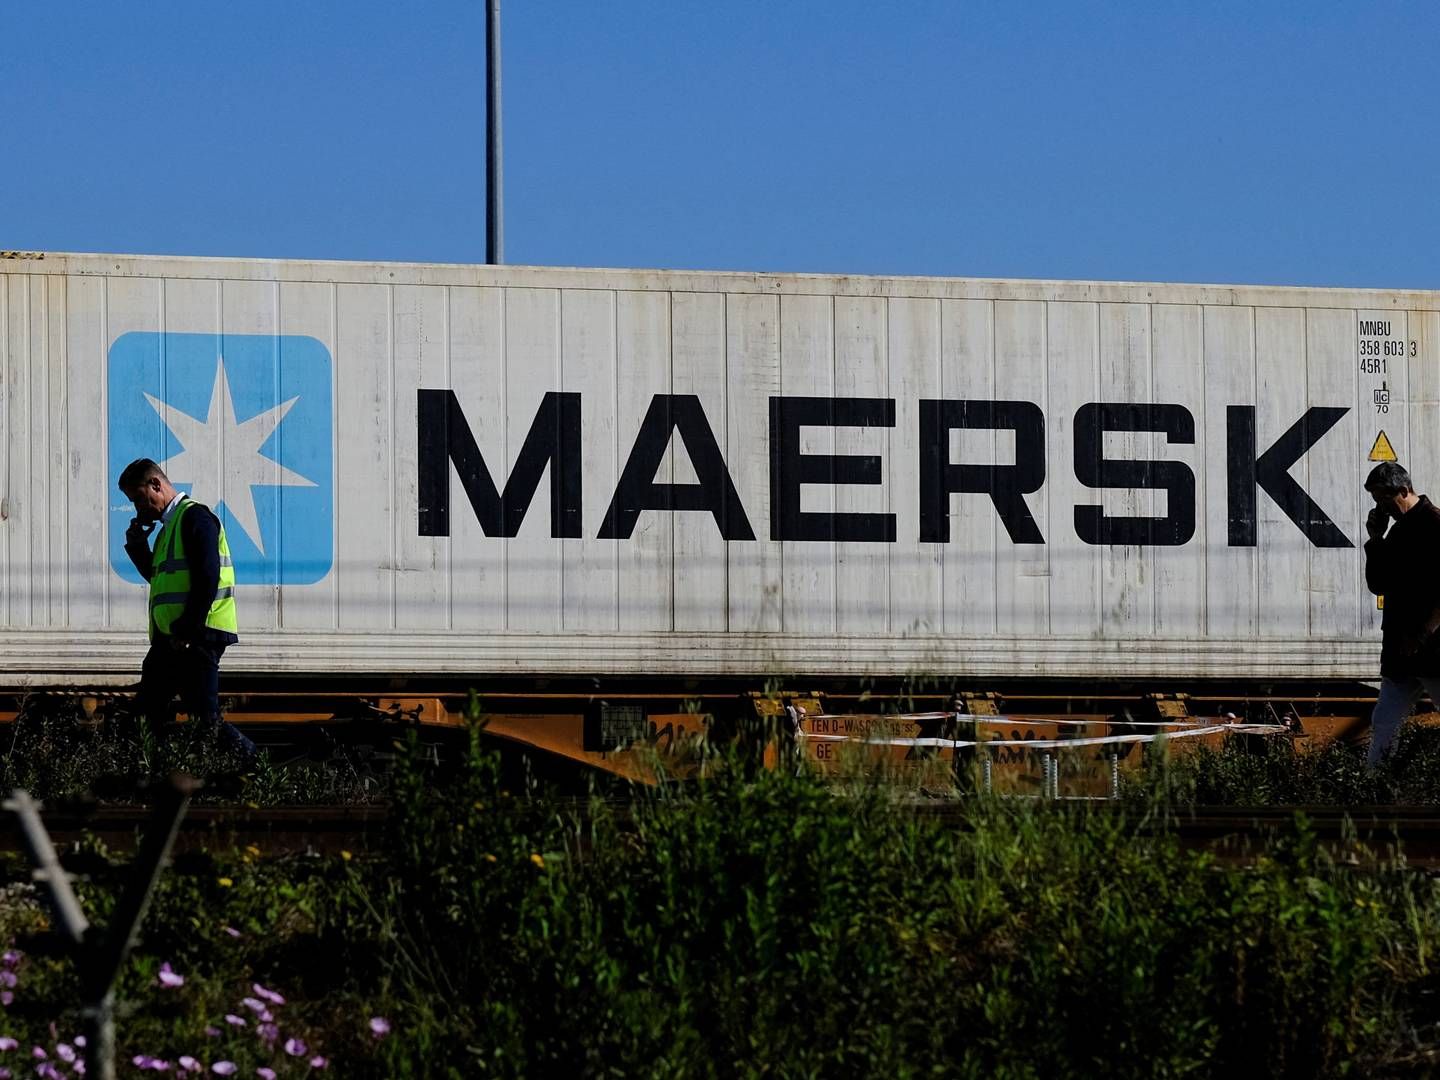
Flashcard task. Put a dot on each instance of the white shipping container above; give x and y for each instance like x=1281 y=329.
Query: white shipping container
x=464 y=470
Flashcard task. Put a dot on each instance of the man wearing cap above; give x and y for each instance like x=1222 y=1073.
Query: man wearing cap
x=1401 y=565
x=192 y=601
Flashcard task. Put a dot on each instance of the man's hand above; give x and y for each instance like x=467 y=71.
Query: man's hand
x=1377 y=523
x=138 y=532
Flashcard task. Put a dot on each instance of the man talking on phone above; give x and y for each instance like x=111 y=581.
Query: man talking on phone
x=1400 y=565
x=192 y=602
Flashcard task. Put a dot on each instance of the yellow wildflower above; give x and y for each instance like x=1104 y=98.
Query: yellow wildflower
x=538 y=860
x=225 y=882
x=346 y=856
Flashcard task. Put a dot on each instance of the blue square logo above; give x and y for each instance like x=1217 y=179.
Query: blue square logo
x=242 y=423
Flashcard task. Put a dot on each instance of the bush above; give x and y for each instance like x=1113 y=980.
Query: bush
x=1269 y=771
x=765 y=922
x=770 y=923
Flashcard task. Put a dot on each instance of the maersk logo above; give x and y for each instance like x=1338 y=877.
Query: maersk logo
x=242 y=422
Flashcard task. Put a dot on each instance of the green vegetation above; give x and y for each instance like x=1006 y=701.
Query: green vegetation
x=1269 y=771
x=57 y=753
x=762 y=923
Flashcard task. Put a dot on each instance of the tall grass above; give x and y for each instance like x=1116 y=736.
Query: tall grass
x=774 y=922
x=58 y=753
x=771 y=924
x=1270 y=771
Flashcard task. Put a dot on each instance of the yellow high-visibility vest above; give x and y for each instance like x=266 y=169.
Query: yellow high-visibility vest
x=170 y=580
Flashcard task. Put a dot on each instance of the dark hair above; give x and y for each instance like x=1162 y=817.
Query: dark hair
x=138 y=473
x=1388 y=478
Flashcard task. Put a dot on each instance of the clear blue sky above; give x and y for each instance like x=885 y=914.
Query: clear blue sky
x=1227 y=142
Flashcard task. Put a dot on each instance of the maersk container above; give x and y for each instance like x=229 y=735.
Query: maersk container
x=464 y=470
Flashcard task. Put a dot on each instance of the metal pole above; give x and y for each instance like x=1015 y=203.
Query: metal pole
x=48 y=872
x=494 y=182
x=100 y=956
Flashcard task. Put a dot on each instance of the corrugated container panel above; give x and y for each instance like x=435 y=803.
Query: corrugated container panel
x=1022 y=569
x=1334 y=574
x=752 y=375
x=807 y=370
x=645 y=566
x=478 y=586
x=1071 y=574
x=590 y=589
x=862 y=569
x=699 y=329
x=421 y=329
x=87 y=579
x=917 y=568
x=1231 y=577
x=1177 y=374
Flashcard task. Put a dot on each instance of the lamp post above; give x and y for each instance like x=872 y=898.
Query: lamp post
x=494 y=184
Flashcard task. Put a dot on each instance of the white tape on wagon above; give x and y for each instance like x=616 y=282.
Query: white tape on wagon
x=1046 y=744
x=990 y=718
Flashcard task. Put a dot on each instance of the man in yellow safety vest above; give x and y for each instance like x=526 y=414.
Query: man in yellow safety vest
x=192 y=601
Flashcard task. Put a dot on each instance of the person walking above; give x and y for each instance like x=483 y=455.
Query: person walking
x=1401 y=566
x=192 y=617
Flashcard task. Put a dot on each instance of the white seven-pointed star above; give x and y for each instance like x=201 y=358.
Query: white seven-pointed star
x=220 y=458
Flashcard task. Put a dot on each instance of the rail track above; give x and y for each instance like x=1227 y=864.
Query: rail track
x=1352 y=834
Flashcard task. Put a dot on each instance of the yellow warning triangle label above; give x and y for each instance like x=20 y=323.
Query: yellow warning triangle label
x=1382 y=450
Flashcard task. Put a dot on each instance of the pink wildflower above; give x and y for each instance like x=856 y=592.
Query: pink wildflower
x=79 y=1041
x=7 y=1043
x=224 y=1068
x=319 y=1062
x=38 y=1053
x=232 y=932
x=10 y=958
x=5 y=1074
x=65 y=1053
x=212 y=1031
x=6 y=997
x=269 y=995
x=265 y=1073
x=268 y=1032
x=254 y=1005
x=295 y=1047
x=379 y=1026
x=8 y=978
x=168 y=978
x=189 y=1064
x=234 y=1021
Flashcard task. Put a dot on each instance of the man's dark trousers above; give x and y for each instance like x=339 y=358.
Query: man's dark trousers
x=192 y=671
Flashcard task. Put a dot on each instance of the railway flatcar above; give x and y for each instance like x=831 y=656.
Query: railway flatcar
x=532 y=473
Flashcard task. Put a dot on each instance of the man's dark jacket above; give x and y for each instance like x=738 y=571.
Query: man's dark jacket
x=1404 y=567
x=200 y=540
